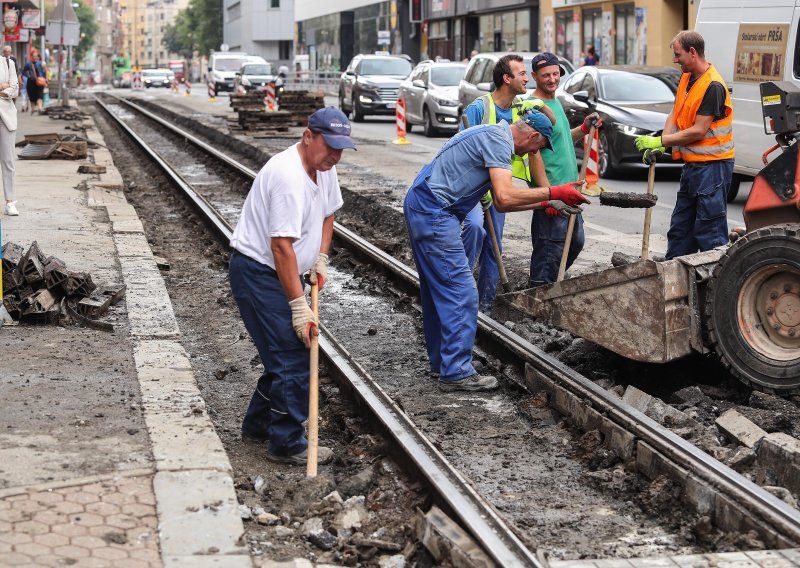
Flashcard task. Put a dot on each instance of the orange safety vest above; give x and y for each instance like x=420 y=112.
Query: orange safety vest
x=717 y=144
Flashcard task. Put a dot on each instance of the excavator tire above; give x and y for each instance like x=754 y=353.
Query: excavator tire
x=753 y=309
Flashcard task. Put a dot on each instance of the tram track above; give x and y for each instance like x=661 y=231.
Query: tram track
x=626 y=431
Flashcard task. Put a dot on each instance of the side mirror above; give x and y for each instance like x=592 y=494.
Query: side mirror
x=350 y=72
x=484 y=87
x=419 y=83
x=583 y=97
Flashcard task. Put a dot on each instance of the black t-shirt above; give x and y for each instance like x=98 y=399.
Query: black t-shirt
x=713 y=103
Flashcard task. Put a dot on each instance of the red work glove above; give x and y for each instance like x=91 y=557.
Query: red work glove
x=569 y=193
x=587 y=122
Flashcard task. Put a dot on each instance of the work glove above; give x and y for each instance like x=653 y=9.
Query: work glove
x=649 y=151
x=303 y=320
x=587 y=122
x=555 y=207
x=569 y=193
x=531 y=103
x=486 y=200
x=318 y=273
x=645 y=142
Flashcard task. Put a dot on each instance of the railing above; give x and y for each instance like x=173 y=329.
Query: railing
x=327 y=81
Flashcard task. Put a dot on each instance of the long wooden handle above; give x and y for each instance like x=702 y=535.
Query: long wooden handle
x=487 y=219
x=313 y=392
x=586 y=150
x=562 y=268
x=651 y=179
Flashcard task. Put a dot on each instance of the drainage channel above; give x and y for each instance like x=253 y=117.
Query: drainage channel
x=733 y=501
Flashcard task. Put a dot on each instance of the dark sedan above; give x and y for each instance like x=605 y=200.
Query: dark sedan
x=631 y=99
x=370 y=84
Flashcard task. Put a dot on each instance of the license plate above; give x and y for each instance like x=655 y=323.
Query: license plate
x=390 y=105
x=260 y=88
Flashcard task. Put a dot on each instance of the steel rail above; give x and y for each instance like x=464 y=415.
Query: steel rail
x=476 y=515
x=764 y=506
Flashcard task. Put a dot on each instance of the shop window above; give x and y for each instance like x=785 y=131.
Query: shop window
x=625 y=27
x=285 y=49
x=593 y=30
x=564 y=35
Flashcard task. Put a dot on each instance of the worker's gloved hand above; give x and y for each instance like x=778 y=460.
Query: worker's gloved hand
x=649 y=151
x=569 y=193
x=531 y=103
x=486 y=200
x=587 y=122
x=556 y=207
x=318 y=274
x=645 y=142
x=303 y=320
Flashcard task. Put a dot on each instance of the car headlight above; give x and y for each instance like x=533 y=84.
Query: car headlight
x=630 y=130
x=445 y=102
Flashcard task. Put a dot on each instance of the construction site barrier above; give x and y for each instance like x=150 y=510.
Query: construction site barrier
x=212 y=91
x=269 y=97
x=187 y=89
x=400 y=120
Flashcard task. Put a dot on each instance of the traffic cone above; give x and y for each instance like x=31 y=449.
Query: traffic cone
x=592 y=154
x=400 y=120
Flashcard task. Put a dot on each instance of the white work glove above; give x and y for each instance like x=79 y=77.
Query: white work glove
x=318 y=274
x=303 y=320
x=555 y=207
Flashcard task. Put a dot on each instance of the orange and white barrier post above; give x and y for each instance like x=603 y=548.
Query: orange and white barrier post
x=400 y=120
x=269 y=97
x=212 y=92
x=136 y=79
x=175 y=86
x=187 y=88
x=591 y=152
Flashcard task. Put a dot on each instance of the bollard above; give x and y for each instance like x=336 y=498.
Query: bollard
x=400 y=120
x=212 y=92
x=188 y=88
x=269 y=97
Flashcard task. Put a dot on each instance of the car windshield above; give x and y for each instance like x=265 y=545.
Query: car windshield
x=153 y=73
x=385 y=67
x=227 y=64
x=447 y=76
x=256 y=70
x=634 y=88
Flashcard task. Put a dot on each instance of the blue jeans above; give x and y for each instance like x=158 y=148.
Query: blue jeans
x=478 y=247
x=548 y=235
x=280 y=402
x=699 y=221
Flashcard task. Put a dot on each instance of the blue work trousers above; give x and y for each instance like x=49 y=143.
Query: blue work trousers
x=446 y=286
x=280 y=402
x=548 y=235
x=699 y=220
x=478 y=247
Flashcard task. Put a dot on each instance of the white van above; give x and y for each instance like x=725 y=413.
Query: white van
x=223 y=65
x=750 y=41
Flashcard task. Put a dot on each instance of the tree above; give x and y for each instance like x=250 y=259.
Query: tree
x=198 y=27
x=88 y=25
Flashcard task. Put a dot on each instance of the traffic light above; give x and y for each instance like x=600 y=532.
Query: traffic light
x=415 y=11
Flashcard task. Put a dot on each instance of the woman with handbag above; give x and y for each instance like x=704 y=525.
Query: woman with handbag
x=36 y=73
x=9 y=89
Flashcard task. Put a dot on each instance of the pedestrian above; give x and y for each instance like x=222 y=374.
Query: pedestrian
x=510 y=80
x=444 y=191
x=36 y=74
x=700 y=131
x=8 y=52
x=591 y=57
x=284 y=231
x=9 y=89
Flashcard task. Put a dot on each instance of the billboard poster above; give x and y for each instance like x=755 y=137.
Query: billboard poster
x=30 y=19
x=761 y=52
x=547 y=36
x=640 y=39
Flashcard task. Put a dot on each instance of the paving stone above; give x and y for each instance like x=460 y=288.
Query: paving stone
x=779 y=455
x=739 y=429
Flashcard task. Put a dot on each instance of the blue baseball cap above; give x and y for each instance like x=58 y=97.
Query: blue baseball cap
x=541 y=124
x=334 y=127
x=546 y=59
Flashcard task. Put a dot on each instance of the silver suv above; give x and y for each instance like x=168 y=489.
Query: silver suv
x=431 y=96
x=370 y=84
x=478 y=80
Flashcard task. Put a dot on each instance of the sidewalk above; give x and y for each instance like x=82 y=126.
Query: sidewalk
x=107 y=454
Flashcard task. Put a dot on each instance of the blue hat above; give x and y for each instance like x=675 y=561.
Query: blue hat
x=541 y=124
x=334 y=127
x=546 y=59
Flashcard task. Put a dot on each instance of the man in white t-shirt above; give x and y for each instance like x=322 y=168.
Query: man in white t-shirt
x=284 y=231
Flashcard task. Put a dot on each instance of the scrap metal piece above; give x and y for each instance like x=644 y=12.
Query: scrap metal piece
x=100 y=325
x=12 y=254
x=12 y=307
x=38 y=151
x=72 y=150
x=39 y=302
x=79 y=284
x=94 y=306
x=115 y=291
x=44 y=138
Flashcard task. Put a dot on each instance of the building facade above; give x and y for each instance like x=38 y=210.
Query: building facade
x=260 y=27
x=106 y=13
x=144 y=23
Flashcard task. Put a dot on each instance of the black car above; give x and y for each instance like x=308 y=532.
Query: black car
x=632 y=100
x=370 y=84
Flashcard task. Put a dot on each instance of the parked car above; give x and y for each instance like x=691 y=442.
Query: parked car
x=253 y=77
x=122 y=81
x=478 y=80
x=430 y=94
x=157 y=78
x=632 y=100
x=370 y=84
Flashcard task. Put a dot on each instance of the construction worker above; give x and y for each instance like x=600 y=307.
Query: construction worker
x=548 y=228
x=470 y=163
x=510 y=80
x=699 y=130
x=285 y=230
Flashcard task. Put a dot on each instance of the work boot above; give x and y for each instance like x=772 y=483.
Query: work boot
x=252 y=435
x=324 y=455
x=472 y=383
x=11 y=209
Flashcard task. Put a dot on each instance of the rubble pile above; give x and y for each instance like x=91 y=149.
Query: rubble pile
x=41 y=289
x=295 y=108
x=53 y=145
x=65 y=113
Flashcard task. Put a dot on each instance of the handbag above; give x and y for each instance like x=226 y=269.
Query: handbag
x=40 y=81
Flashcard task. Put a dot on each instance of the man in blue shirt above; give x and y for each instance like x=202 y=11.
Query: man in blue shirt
x=471 y=163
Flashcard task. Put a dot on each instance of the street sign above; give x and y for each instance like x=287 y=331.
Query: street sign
x=72 y=32
x=384 y=37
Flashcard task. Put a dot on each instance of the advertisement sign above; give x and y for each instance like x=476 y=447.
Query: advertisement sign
x=30 y=19
x=760 y=52
x=640 y=40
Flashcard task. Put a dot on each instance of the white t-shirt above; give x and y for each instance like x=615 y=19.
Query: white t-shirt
x=284 y=202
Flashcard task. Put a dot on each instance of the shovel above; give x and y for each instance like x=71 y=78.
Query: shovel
x=651 y=156
x=313 y=391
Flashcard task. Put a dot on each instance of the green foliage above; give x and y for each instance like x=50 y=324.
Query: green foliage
x=198 y=27
x=88 y=30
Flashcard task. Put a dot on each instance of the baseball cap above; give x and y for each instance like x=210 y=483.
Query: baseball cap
x=334 y=127
x=541 y=124
x=546 y=59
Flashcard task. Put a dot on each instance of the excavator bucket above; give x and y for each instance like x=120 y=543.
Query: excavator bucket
x=645 y=311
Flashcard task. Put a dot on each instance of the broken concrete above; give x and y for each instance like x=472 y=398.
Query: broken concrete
x=739 y=429
x=778 y=461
